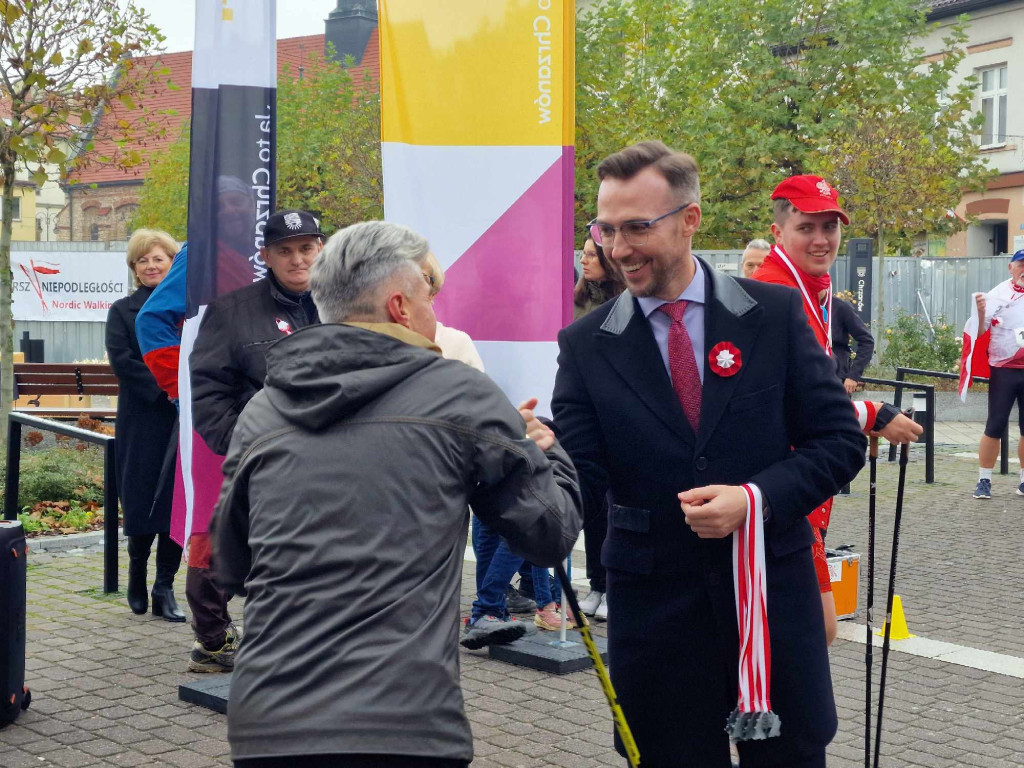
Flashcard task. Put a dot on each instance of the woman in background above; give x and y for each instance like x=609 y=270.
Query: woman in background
x=147 y=433
x=601 y=281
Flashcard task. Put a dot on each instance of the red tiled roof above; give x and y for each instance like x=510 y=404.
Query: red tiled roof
x=294 y=51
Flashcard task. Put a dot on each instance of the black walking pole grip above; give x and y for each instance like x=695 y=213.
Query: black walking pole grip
x=904 y=453
x=868 y=650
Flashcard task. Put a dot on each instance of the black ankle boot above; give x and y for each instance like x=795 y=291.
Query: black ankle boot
x=165 y=605
x=168 y=558
x=138 y=554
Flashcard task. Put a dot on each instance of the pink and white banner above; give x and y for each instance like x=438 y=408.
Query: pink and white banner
x=477 y=103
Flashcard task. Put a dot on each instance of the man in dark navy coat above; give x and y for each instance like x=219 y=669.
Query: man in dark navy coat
x=781 y=422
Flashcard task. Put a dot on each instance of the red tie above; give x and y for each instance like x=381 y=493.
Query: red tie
x=682 y=364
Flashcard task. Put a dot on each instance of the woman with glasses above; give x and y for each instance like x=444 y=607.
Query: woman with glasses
x=601 y=281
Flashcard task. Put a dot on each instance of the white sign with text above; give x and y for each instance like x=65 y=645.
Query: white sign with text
x=70 y=286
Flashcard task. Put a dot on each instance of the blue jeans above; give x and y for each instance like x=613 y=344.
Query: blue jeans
x=495 y=567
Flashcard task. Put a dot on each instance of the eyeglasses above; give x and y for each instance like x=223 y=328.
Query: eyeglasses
x=431 y=283
x=633 y=232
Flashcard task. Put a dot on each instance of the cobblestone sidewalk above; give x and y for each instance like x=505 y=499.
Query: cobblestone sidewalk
x=105 y=681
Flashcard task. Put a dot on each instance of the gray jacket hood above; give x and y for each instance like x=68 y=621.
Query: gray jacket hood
x=324 y=373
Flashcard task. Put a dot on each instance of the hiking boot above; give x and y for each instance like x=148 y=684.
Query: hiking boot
x=591 y=602
x=550 y=618
x=490 y=630
x=984 y=489
x=517 y=603
x=202 y=659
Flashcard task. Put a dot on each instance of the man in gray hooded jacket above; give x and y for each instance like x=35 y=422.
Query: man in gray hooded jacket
x=343 y=517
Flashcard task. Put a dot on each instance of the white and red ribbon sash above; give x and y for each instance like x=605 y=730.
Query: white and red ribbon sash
x=866 y=412
x=812 y=301
x=752 y=718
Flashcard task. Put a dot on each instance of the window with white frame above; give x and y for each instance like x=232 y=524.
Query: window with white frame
x=17 y=209
x=993 y=105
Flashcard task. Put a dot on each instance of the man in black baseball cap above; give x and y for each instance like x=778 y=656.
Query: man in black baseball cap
x=228 y=366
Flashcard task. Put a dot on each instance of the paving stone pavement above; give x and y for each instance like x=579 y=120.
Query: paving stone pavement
x=105 y=681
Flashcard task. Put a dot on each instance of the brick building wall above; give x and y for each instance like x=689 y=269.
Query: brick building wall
x=101 y=212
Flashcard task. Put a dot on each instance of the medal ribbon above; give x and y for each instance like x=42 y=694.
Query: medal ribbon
x=752 y=719
x=812 y=302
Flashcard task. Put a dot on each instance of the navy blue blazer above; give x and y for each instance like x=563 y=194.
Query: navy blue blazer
x=782 y=422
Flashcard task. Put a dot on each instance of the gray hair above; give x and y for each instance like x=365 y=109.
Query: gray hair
x=358 y=263
x=758 y=245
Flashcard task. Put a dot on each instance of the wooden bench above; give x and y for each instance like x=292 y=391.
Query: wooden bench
x=63 y=379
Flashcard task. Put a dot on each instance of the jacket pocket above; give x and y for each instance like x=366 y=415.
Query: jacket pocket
x=631 y=518
x=628 y=546
x=755 y=399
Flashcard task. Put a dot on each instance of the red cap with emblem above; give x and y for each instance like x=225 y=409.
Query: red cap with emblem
x=811 y=194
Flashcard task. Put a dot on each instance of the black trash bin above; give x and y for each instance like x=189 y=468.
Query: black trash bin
x=13 y=570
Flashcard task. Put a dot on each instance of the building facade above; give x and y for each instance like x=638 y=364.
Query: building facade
x=995 y=58
x=102 y=200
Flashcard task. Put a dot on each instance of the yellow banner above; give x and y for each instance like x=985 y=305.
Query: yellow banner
x=477 y=72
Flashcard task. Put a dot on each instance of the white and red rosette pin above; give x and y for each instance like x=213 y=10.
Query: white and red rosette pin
x=725 y=359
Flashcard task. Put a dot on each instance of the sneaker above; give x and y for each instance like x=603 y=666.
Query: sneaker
x=517 y=603
x=1020 y=489
x=590 y=603
x=221 y=660
x=601 y=614
x=550 y=618
x=490 y=630
x=984 y=489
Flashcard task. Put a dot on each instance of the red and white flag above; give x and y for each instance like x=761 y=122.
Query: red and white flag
x=999 y=342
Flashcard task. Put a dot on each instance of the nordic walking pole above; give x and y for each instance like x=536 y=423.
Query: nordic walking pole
x=621 y=726
x=868 y=657
x=904 y=452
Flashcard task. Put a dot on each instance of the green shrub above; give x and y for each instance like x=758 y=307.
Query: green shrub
x=911 y=344
x=62 y=516
x=61 y=474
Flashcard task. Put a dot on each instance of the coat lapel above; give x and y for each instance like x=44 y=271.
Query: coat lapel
x=626 y=341
x=138 y=298
x=730 y=315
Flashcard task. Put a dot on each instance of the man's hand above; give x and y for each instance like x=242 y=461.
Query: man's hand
x=979 y=302
x=850 y=386
x=900 y=430
x=714 y=511
x=537 y=431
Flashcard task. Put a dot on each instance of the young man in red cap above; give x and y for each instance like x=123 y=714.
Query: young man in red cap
x=808 y=231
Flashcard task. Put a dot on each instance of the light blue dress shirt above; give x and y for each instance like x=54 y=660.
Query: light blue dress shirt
x=693 y=318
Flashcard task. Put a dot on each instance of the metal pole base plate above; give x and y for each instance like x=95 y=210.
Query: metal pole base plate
x=541 y=652
x=210 y=691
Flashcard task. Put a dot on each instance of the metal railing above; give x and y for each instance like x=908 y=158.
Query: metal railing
x=928 y=420
x=14 y=425
x=1004 y=442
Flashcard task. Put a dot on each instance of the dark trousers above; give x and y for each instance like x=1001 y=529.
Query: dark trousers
x=752 y=761
x=350 y=761
x=168 y=555
x=595 y=528
x=209 y=606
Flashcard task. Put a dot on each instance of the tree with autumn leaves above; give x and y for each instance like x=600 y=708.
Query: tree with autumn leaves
x=328 y=153
x=57 y=61
x=758 y=91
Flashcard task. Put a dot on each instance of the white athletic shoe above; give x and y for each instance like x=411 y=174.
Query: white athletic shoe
x=591 y=602
x=601 y=614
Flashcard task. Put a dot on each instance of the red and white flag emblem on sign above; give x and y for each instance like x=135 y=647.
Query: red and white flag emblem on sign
x=752 y=719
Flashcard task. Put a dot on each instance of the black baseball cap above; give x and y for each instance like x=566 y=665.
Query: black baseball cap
x=283 y=225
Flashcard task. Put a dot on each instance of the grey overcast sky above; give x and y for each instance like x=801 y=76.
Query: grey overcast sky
x=177 y=19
